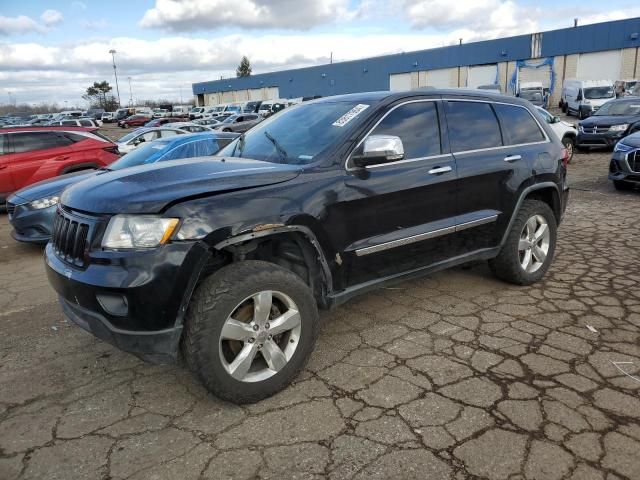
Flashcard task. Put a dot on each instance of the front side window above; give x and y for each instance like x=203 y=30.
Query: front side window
x=168 y=133
x=417 y=126
x=472 y=126
x=518 y=126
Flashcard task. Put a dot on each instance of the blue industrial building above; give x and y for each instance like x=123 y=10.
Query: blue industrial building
x=609 y=48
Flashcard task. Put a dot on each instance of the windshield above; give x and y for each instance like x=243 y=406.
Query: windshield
x=130 y=136
x=230 y=119
x=594 y=93
x=531 y=95
x=619 y=108
x=296 y=136
x=139 y=156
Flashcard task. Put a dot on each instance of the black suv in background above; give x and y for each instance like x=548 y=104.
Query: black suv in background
x=228 y=258
x=613 y=121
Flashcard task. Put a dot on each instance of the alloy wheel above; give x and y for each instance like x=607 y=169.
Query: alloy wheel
x=260 y=336
x=533 y=246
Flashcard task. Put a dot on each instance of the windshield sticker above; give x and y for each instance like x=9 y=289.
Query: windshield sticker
x=350 y=115
x=305 y=157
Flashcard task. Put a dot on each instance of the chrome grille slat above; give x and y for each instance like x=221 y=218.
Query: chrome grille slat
x=633 y=159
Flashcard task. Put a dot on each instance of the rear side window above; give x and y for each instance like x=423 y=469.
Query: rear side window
x=32 y=141
x=472 y=126
x=417 y=126
x=518 y=126
x=86 y=123
x=3 y=148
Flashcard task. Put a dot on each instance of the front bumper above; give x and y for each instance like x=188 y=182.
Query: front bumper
x=620 y=167
x=135 y=300
x=602 y=140
x=31 y=226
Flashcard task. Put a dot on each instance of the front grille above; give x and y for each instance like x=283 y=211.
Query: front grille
x=596 y=129
x=70 y=238
x=11 y=209
x=633 y=159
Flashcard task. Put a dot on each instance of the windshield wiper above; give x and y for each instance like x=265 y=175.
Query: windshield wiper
x=281 y=151
x=239 y=141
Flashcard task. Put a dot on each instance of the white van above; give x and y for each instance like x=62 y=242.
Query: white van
x=180 y=111
x=585 y=97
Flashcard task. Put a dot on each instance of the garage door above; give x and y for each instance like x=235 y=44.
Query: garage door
x=400 y=82
x=482 y=75
x=540 y=74
x=255 y=94
x=439 y=78
x=599 y=66
x=273 y=93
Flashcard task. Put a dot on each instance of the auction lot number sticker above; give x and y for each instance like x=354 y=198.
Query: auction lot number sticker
x=350 y=115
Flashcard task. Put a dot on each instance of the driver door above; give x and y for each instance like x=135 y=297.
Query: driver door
x=399 y=216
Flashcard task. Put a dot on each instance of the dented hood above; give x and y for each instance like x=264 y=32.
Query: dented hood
x=151 y=188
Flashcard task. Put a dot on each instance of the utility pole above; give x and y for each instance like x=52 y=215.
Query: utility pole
x=115 y=73
x=130 y=94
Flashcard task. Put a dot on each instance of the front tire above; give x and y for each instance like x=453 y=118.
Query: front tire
x=569 y=143
x=528 y=251
x=249 y=330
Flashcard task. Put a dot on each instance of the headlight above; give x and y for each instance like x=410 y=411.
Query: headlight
x=138 y=231
x=41 y=203
x=621 y=147
x=619 y=128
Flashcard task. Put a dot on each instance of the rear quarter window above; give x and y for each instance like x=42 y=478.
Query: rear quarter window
x=518 y=125
x=472 y=126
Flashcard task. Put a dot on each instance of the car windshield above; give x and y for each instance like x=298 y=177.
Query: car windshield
x=531 y=95
x=130 y=136
x=594 y=93
x=139 y=156
x=297 y=135
x=230 y=119
x=619 y=108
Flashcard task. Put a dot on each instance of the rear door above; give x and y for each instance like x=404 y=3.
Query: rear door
x=38 y=156
x=397 y=216
x=6 y=179
x=495 y=146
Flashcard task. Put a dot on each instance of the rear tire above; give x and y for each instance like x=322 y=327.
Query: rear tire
x=231 y=298
x=622 y=185
x=511 y=264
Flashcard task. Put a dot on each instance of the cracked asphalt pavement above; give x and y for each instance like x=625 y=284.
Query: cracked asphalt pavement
x=453 y=376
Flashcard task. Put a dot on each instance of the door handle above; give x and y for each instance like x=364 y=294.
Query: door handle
x=512 y=158
x=439 y=170
x=60 y=158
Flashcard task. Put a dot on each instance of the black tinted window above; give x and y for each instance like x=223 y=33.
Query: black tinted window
x=86 y=123
x=472 y=125
x=417 y=126
x=30 y=141
x=518 y=126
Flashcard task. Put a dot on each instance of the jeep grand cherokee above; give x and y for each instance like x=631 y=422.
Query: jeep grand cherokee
x=228 y=258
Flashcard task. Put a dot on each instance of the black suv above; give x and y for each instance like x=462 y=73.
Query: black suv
x=228 y=258
x=613 y=121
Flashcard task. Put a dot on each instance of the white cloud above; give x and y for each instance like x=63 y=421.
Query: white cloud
x=191 y=15
x=17 y=25
x=51 y=17
x=79 y=5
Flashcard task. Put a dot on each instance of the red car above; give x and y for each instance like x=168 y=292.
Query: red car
x=134 y=121
x=31 y=154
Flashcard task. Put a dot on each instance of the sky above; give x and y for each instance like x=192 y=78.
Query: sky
x=51 y=51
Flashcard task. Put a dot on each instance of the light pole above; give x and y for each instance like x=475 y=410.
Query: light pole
x=115 y=73
x=180 y=94
x=130 y=93
x=9 y=93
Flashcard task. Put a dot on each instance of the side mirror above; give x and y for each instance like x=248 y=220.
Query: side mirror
x=555 y=120
x=579 y=97
x=378 y=149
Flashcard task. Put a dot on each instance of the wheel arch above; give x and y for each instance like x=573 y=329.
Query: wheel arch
x=547 y=192
x=294 y=247
x=77 y=167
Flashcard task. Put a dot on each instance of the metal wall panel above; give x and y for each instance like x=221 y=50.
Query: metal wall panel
x=440 y=78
